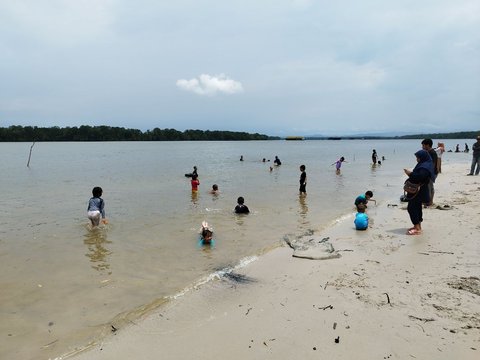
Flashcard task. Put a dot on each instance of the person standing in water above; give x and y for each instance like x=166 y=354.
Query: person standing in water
x=374 y=156
x=303 y=181
x=195 y=182
x=338 y=164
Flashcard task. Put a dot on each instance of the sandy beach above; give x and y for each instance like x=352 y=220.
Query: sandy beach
x=387 y=296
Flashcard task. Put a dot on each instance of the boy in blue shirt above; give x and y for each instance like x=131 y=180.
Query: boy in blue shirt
x=361 y=219
x=363 y=199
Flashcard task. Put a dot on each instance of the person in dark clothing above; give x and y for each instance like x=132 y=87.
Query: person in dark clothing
x=476 y=157
x=374 y=156
x=427 y=145
x=241 y=208
x=193 y=173
x=303 y=181
x=421 y=174
x=277 y=161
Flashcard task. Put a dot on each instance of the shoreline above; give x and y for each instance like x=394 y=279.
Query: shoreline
x=389 y=295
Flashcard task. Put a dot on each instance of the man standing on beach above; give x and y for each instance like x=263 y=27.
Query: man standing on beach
x=427 y=145
x=476 y=157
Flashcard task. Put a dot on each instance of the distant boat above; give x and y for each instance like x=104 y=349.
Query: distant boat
x=294 y=138
x=334 y=138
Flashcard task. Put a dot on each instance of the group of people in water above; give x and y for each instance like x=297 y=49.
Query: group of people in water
x=206 y=232
x=421 y=179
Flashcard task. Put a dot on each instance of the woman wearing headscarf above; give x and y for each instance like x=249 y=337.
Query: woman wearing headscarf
x=421 y=174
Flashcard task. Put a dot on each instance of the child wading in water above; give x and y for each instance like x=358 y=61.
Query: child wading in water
x=195 y=182
x=303 y=181
x=338 y=164
x=206 y=233
x=96 y=207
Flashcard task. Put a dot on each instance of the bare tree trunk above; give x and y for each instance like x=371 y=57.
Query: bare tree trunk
x=30 y=155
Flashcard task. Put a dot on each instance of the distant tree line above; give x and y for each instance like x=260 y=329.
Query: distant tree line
x=108 y=133
x=451 y=135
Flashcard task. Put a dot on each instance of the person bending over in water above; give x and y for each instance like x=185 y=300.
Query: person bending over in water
x=241 y=208
x=96 y=207
x=364 y=199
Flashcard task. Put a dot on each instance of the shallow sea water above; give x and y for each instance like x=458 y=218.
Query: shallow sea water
x=64 y=285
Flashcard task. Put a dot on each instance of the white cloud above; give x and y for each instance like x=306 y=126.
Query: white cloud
x=211 y=85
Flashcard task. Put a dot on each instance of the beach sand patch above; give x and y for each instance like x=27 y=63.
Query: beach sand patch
x=315 y=248
x=470 y=284
x=460 y=201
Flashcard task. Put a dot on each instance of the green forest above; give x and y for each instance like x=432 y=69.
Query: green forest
x=18 y=133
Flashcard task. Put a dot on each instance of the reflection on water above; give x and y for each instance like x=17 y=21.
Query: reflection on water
x=96 y=240
x=207 y=249
x=339 y=183
x=195 y=198
x=240 y=219
x=304 y=223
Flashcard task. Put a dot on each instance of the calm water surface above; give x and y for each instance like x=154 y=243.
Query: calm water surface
x=64 y=284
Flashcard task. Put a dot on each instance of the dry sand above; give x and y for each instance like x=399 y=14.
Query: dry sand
x=389 y=295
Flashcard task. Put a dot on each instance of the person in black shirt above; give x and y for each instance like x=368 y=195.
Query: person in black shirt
x=421 y=174
x=303 y=181
x=241 y=208
x=427 y=145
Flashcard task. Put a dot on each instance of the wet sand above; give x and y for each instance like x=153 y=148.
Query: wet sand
x=388 y=296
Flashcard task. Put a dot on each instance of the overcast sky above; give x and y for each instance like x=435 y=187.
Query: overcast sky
x=279 y=67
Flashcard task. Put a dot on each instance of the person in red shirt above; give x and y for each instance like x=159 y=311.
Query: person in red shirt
x=195 y=182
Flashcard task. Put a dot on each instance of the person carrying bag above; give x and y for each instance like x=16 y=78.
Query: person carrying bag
x=417 y=192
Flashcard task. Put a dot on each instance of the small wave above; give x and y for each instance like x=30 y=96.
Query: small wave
x=213 y=210
x=342 y=218
x=214 y=276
